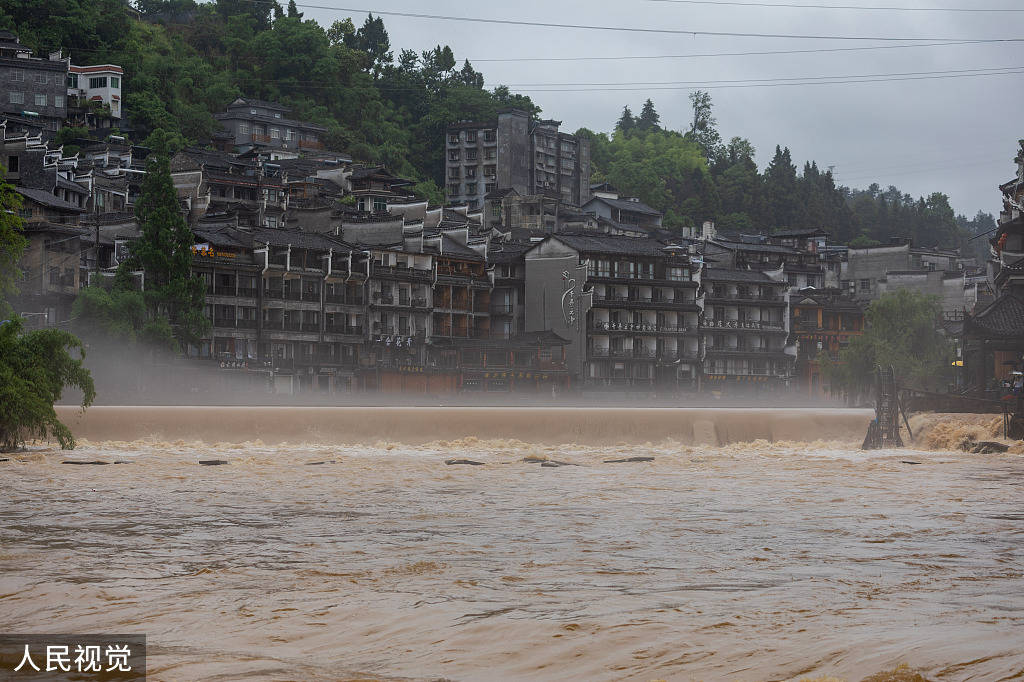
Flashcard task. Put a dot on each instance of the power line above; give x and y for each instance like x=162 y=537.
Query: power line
x=631 y=29
x=710 y=85
x=994 y=71
x=724 y=54
x=786 y=5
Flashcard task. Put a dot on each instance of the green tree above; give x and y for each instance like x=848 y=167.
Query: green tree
x=780 y=188
x=703 y=129
x=901 y=330
x=627 y=123
x=649 y=118
x=34 y=370
x=164 y=251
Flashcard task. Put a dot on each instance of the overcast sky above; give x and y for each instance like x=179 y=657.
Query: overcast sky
x=955 y=135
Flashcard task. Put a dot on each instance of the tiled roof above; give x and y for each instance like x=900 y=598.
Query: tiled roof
x=796 y=234
x=1003 y=318
x=46 y=199
x=613 y=244
x=627 y=205
x=766 y=248
x=450 y=247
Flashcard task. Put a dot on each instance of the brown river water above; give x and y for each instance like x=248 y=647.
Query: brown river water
x=758 y=545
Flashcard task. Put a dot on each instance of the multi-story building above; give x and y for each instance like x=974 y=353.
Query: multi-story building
x=34 y=90
x=95 y=95
x=515 y=152
x=745 y=327
x=629 y=306
x=823 y=322
x=213 y=182
x=256 y=123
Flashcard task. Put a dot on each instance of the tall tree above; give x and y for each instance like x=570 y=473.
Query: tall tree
x=164 y=250
x=627 y=123
x=703 y=129
x=780 y=190
x=649 y=118
x=293 y=11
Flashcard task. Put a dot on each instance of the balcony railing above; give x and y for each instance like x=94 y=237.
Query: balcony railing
x=641 y=327
x=311 y=296
x=344 y=329
x=246 y=292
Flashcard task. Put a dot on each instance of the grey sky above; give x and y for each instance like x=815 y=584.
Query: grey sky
x=955 y=135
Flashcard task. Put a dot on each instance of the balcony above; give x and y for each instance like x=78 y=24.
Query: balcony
x=344 y=329
x=310 y=144
x=275 y=294
x=311 y=296
x=419 y=303
x=265 y=139
x=341 y=299
x=639 y=327
x=501 y=309
x=224 y=322
x=246 y=292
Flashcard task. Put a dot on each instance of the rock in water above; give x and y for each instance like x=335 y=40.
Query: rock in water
x=213 y=462
x=989 y=447
x=470 y=462
x=629 y=459
x=534 y=460
x=81 y=463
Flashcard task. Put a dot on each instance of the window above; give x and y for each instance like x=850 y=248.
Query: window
x=243 y=128
x=17 y=97
x=12 y=164
x=490 y=136
x=98 y=82
x=115 y=82
x=865 y=285
x=471 y=172
x=453 y=155
x=471 y=188
x=495 y=209
x=453 y=189
x=474 y=204
x=380 y=205
x=275 y=133
x=289 y=134
x=471 y=136
x=40 y=100
x=41 y=79
x=277 y=115
x=454 y=172
x=58 y=101
x=471 y=155
x=491 y=154
x=490 y=187
x=490 y=171
x=453 y=138
x=72 y=80
x=17 y=76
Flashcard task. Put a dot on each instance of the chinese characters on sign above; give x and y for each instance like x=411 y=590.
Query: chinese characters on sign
x=79 y=656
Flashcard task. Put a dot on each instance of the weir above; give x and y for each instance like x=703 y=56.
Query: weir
x=418 y=425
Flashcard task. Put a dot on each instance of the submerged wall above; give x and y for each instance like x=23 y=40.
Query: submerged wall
x=416 y=425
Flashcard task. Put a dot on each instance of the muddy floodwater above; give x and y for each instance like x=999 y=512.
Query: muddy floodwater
x=309 y=556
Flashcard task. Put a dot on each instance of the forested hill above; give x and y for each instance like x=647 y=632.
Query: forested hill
x=185 y=61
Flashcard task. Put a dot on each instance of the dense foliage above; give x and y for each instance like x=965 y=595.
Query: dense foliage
x=695 y=176
x=34 y=369
x=900 y=331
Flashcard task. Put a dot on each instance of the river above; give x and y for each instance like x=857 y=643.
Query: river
x=337 y=544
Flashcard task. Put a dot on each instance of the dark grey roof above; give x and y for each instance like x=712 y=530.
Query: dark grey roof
x=450 y=247
x=298 y=239
x=627 y=205
x=613 y=244
x=46 y=199
x=507 y=253
x=1004 y=317
x=796 y=234
x=744 y=246
x=730 y=275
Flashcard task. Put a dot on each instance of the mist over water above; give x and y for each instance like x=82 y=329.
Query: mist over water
x=335 y=543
